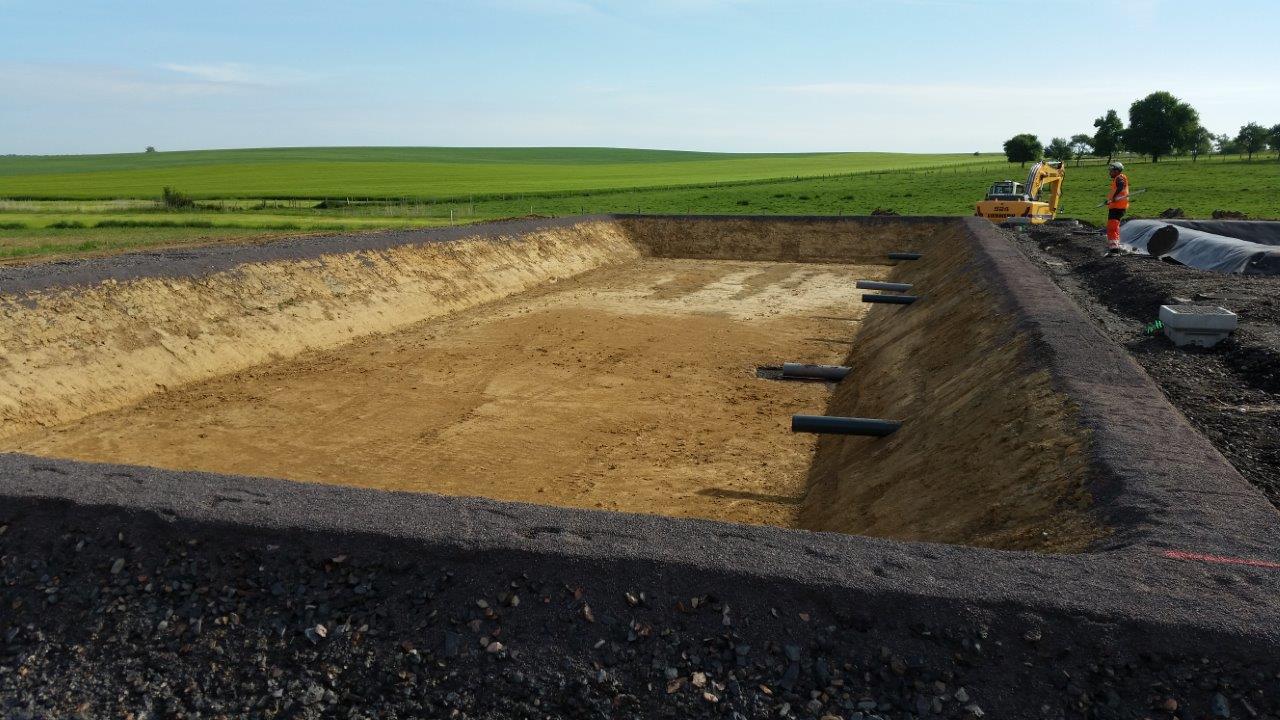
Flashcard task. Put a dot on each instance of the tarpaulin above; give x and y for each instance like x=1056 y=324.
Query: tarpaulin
x=1204 y=250
x=1259 y=231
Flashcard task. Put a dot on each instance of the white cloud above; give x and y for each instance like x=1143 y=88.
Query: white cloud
x=60 y=83
x=219 y=73
x=601 y=8
x=232 y=73
x=1058 y=94
x=549 y=7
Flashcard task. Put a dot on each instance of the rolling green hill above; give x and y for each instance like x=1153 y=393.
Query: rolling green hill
x=384 y=172
x=43 y=228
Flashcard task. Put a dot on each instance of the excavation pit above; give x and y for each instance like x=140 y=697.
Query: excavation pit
x=626 y=388
x=1024 y=428
x=602 y=365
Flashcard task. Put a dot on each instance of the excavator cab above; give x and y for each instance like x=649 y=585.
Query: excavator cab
x=1008 y=200
x=1006 y=190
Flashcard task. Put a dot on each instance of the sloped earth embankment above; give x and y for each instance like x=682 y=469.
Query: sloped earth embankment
x=990 y=452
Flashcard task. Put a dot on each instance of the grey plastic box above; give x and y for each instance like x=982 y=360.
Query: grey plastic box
x=1203 y=325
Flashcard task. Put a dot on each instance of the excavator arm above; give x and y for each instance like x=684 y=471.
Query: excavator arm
x=1046 y=175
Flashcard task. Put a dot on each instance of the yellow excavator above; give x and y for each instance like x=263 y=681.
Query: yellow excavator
x=1008 y=200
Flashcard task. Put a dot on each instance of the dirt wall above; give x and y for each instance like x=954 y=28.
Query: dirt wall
x=74 y=351
x=989 y=453
x=860 y=241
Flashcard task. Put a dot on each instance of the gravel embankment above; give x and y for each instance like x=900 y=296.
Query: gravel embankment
x=1230 y=393
x=131 y=617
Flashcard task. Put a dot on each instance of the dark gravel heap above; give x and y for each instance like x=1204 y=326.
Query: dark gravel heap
x=1230 y=393
x=113 y=615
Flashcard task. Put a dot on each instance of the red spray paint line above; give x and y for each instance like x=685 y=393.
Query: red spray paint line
x=1219 y=559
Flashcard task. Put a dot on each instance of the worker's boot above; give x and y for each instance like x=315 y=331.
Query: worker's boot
x=1113 y=236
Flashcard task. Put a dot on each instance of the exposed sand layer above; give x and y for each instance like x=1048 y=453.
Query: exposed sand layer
x=72 y=352
x=629 y=388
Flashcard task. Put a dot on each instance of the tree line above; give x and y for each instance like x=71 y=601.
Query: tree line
x=1160 y=125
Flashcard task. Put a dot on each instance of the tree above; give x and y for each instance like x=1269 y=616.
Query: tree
x=1081 y=145
x=1059 y=149
x=1200 y=142
x=151 y=148
x=1226 y=145
x=1106 y=141
x=1252 y=139
x=1273 y=138
x=1159 y=124
x=1023 y=147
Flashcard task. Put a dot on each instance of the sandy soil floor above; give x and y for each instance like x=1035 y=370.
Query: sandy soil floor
x=631 y=388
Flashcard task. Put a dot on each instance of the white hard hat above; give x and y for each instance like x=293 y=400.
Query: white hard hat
x=1116 y=166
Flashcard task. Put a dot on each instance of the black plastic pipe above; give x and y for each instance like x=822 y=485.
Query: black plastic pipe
x=877 y=285
x=905 y=256
x=892 y=299
x=828 y=425
x=834 y=373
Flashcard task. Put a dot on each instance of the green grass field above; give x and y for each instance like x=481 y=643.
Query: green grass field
x=420 y=173
x=38 y=228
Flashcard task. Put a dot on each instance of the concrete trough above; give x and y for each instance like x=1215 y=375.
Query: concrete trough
x=1024 y=537
x=1202 y=325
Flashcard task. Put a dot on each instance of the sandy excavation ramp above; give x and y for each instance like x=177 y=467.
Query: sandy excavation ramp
x=598 y=364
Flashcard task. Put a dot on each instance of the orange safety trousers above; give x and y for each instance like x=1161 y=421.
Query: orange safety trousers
x=1116 y=208
x=1113 y=228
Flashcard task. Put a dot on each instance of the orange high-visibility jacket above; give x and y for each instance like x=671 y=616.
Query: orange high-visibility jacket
x=1119 y=187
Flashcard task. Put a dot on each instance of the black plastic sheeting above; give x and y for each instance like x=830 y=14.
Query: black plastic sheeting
x=1259 y=231
x=1200 y=248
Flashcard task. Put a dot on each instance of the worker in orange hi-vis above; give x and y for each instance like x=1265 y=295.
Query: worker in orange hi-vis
x=1117 y=203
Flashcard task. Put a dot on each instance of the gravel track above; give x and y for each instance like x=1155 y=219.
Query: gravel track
x=132 y=617
x=1230 y=393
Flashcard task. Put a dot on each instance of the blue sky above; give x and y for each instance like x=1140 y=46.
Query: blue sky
x=730 y=75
